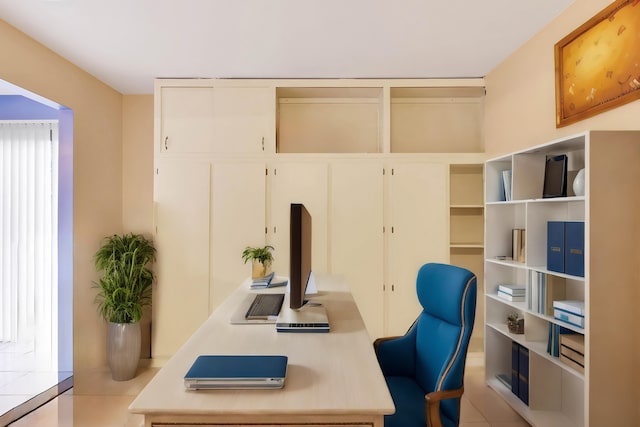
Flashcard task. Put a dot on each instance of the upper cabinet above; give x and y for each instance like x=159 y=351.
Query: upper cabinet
x=208 y=119
x=332 y=116
x=243 y=120
x=185 y=119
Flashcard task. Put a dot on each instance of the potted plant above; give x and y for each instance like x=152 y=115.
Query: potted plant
x=124 y=290
x=261 y=259
x=515 y=323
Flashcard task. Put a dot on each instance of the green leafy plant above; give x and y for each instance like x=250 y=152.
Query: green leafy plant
x=125 y=286
x=262 y=254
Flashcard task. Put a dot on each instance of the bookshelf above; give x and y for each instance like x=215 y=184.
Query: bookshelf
x=560 y=395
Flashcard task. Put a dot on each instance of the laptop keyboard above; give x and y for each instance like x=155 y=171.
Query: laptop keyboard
x=265 y=305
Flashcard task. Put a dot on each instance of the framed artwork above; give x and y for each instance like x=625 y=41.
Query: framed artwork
x=598 y=65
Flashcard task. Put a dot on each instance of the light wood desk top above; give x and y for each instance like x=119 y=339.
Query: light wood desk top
x=331 y=377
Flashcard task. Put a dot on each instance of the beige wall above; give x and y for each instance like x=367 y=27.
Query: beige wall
x=137 y=179
x=97 y=169
x=520 y=102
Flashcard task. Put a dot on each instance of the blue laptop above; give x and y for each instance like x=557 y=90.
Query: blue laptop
x=236 y=372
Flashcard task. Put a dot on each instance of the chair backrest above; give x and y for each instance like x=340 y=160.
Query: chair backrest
x=447 y=294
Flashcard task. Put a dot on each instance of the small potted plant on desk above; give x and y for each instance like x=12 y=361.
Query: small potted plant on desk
x=124 y=289
x=261 y=259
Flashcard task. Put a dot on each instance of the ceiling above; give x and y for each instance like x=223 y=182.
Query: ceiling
x=128 y=43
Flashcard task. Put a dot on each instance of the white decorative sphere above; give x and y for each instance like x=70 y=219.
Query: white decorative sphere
x=578 y=183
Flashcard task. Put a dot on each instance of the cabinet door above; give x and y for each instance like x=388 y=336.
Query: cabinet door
x=243 y=120
x=237 y=221
x=356 y=238
x=181 y=294
x=418 y=208
x=186 y=119
x=306 y=183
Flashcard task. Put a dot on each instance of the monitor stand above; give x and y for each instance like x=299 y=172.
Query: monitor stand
x=311 y=317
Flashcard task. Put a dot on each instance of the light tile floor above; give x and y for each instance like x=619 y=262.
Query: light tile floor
x=27 y=379
x=104 y=403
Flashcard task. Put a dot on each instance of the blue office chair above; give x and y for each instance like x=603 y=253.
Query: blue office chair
x=424 y=369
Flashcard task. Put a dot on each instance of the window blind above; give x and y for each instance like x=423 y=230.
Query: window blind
x=28 y=232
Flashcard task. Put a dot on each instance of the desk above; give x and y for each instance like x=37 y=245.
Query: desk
x=332 y=379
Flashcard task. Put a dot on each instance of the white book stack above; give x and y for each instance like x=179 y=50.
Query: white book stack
x=513 y=293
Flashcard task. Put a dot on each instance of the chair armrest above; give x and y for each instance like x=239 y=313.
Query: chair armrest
x=432 y=404
x=378 y=342
x=396 y=355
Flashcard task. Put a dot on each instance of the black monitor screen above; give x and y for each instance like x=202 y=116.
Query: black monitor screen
x=300 y=254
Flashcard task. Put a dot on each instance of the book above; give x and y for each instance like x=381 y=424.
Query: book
x=512 y=289
x=572 y=354
x=570 y=362
x=572 y=351
x=512 y=298
x=268 y=281
x=538 y=293
x=573 y=341
x=518 y=244
x=553 y=343
x=506 y=184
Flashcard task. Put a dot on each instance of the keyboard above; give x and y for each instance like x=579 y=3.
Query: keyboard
x=265 y=306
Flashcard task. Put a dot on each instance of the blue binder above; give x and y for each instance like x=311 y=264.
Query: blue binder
x=574 y=248
x=515 y=358
x=523 y=374
x=556 y=246
x=236 y=372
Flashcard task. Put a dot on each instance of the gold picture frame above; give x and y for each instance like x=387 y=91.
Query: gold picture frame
x=597 y=66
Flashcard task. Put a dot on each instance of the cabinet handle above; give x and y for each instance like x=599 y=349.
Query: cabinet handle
x=166 y=143
x=263 y=143
x=393 y=288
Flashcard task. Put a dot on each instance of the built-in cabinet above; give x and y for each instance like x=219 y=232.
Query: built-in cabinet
x=416 y=233
x=182 y=191
x=239 y=152
x=606 y=391
x=357 y=223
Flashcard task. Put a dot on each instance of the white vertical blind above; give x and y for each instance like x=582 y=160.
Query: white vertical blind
x=28 y=233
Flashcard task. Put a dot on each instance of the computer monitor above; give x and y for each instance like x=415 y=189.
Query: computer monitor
x=300 y=254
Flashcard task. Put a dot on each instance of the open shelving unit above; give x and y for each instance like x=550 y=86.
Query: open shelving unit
x=466 y=232
x=560 y=395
